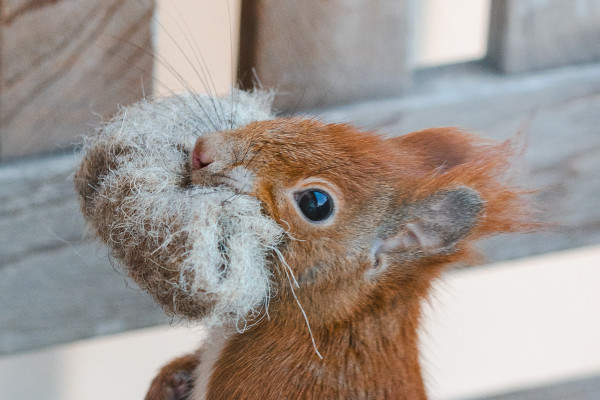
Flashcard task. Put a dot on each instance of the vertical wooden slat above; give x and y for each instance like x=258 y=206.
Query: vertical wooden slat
x=64 y=62
x=1 y=74
x=529 y=35
x=321 y=53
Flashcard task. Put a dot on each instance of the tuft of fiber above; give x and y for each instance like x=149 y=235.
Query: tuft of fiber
x=201 y=252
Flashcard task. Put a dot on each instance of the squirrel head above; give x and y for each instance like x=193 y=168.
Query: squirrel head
x=369 y=220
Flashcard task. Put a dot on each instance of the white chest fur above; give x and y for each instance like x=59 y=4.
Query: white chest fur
x=209 y=354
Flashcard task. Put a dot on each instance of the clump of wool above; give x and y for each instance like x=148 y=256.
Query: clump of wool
x=201 y=252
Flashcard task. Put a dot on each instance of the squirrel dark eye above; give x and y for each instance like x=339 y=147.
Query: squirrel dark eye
x=316 y=205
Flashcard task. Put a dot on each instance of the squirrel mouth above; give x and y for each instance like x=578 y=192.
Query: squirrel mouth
x=238 y=178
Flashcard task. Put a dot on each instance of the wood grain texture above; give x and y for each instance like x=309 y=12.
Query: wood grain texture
x=38 y=207
x=66 y=64
x=55 y=285
x=579 y=389
x=64 y=294
x=527 y=35
x=318 y=53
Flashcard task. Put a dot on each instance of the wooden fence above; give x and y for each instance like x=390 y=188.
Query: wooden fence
x=62 y=62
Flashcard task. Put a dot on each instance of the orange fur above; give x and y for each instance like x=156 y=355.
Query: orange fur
x=364 y=328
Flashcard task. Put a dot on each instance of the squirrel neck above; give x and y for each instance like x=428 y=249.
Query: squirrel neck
x=374 y=355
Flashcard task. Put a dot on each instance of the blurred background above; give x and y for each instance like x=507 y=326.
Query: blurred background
x=524 y=326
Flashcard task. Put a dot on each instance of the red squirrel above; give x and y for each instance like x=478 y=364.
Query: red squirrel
x=370 y=222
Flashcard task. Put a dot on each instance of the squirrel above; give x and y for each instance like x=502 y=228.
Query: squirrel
x=370 y=222
x=376 y=222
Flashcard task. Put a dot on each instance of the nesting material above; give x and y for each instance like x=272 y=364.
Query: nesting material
x=201 y=252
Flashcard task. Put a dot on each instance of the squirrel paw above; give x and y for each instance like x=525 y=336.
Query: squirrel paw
x=180 y=385
x=174 y=381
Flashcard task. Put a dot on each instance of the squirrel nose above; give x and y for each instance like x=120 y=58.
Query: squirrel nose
x=200 y=156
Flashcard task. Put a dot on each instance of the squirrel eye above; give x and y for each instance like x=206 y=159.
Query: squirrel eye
x=316 y=205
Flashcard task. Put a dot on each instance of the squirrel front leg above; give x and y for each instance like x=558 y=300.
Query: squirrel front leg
x=175 y=380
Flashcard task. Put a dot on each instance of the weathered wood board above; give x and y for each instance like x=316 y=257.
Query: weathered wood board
x=68 y=293
x=527 y=35
x=38 y=209
x=318 y=53
x=55 y=286
x=578 y=389
x=66 y=64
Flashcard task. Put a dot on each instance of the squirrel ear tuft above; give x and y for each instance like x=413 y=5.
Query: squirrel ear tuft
x=431 y=227
x=438 y=149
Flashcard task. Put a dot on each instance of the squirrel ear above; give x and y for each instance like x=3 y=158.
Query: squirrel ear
x=438 y=149
x=430 y=227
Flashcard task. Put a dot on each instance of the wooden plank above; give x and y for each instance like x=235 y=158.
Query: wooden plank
x=62 y=62
x=559 y=110
x=527 y=35
x=54 y=286
x=318 y=53
x=64 y=294
x=53 y=282
x=579 y=389
x=38 y=207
